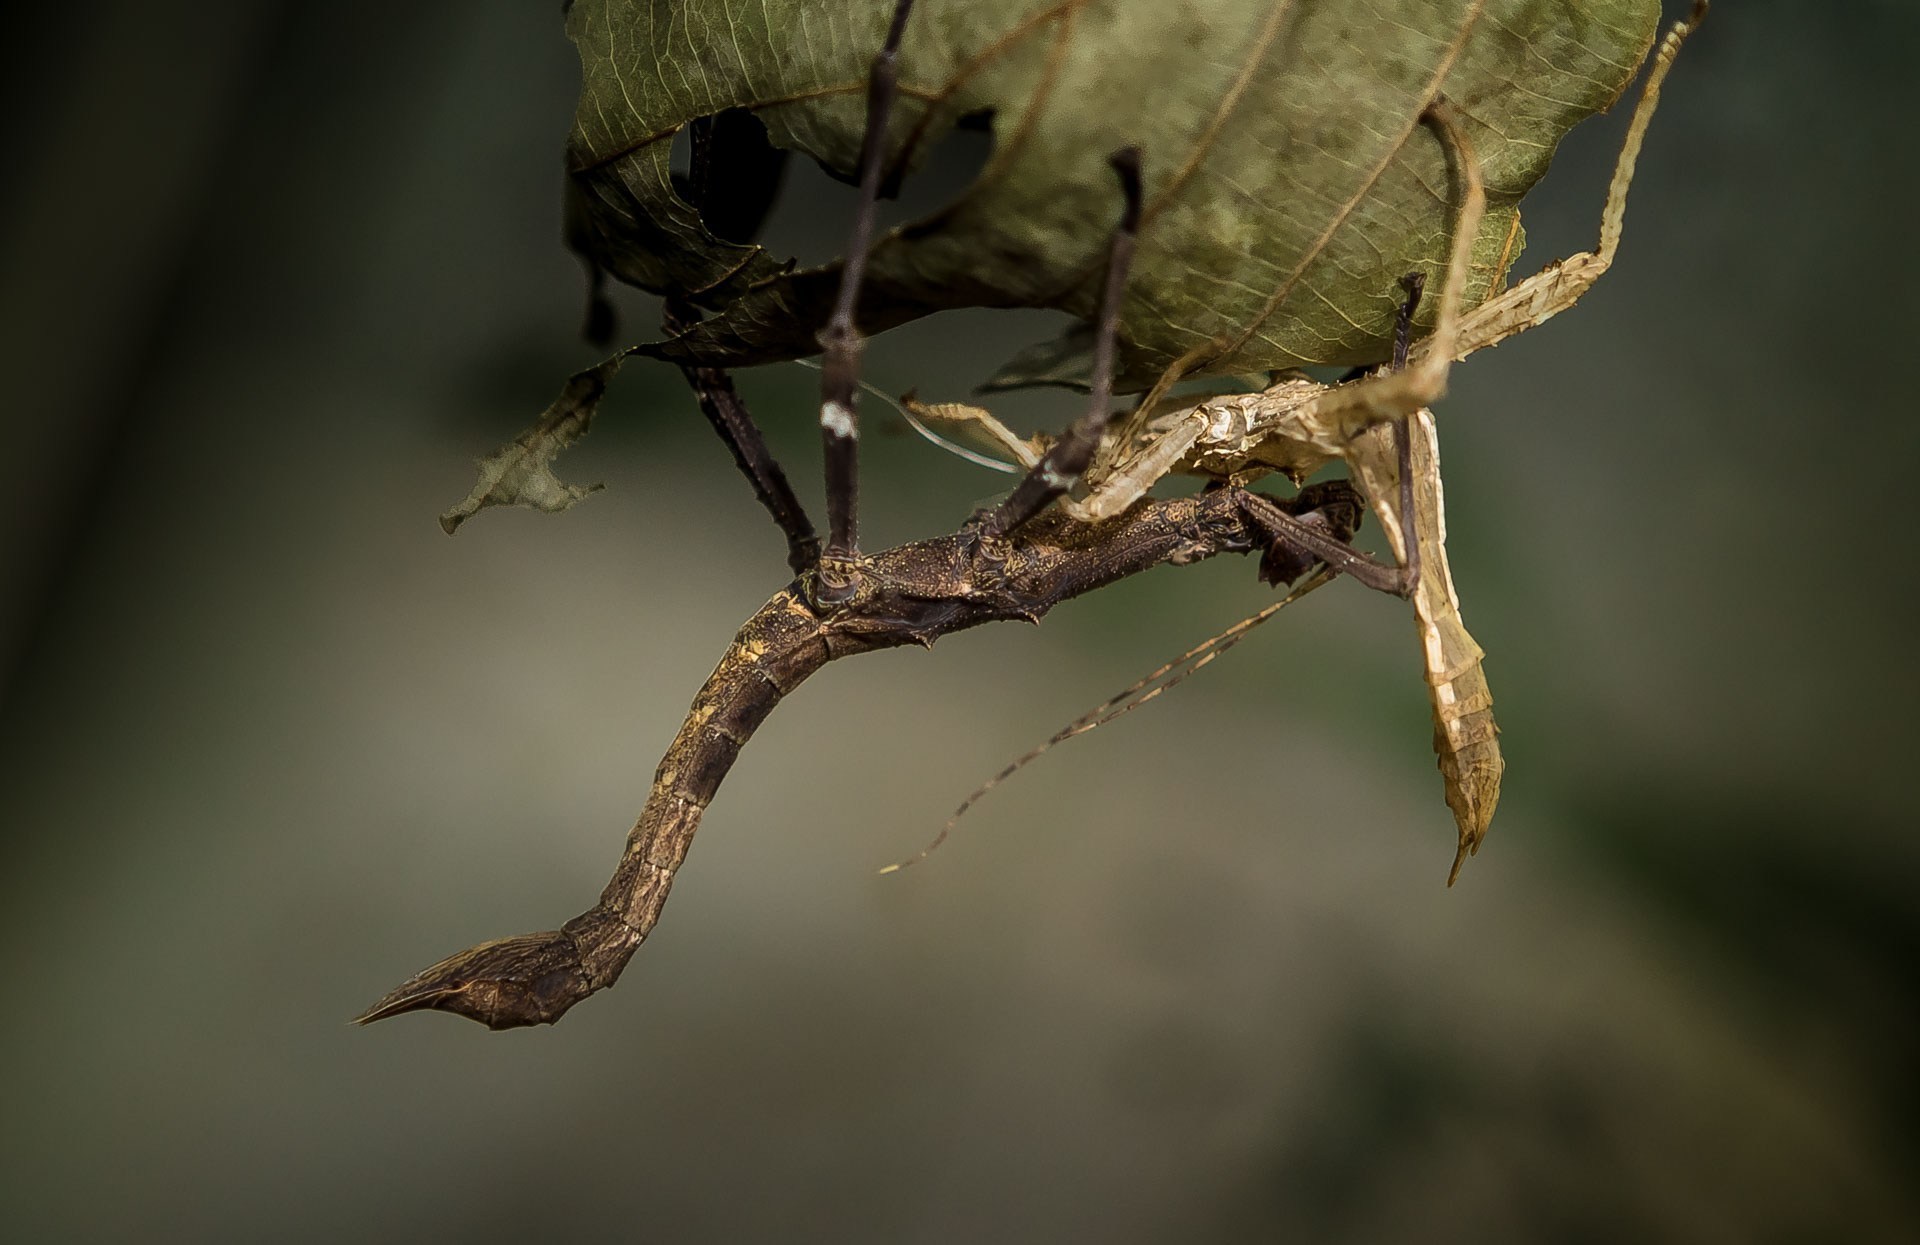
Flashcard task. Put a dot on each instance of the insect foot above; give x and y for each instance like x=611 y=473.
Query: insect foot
x=985 y=551
x=834 y=583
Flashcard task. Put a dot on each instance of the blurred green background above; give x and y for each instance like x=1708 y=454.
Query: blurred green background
x=275 y=271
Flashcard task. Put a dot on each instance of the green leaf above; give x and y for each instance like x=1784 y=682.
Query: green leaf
x=1289 y=180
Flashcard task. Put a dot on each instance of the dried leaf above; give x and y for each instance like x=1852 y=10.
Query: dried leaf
x=1289 y=180
x=520 y=473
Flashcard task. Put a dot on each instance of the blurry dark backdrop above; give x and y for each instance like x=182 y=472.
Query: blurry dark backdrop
x=274 y=272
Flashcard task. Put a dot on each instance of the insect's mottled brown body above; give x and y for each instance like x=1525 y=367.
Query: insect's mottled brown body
x=1021 y=557
x=535 y=978
x=912 y=594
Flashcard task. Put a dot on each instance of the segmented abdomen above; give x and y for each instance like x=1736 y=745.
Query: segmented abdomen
x=1465 y=737
x=773 y=653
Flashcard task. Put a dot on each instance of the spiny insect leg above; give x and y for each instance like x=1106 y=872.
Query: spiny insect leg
x=1342 y=557
x=1557 y=287
x=1068 y=458
x=713 y=387
x=720 y=402
x=1314 y=539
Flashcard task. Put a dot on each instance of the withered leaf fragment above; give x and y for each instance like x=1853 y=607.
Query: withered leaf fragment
x=520 y=473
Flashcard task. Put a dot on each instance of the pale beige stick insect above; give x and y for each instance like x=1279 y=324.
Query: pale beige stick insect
x=1465 y=738
x=1298 y=430
x=1297 y=425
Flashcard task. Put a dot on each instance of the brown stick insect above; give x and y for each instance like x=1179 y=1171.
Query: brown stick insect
x=1019 y=558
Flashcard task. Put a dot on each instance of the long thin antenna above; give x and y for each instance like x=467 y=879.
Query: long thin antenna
x=1125 y=701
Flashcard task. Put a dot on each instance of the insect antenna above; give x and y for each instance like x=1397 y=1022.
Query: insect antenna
x=1125 y=701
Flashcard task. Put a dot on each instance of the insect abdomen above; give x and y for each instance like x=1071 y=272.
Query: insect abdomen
x=535 y=978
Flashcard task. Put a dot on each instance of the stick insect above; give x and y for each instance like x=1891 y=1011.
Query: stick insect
x=1014 y=560
x=1382 y=426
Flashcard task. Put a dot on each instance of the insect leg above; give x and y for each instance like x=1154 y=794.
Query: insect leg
x=1132 y=477
x=1346 y=411
x=720 y=403
x=1398 y=580
x=713 y=387
x=1315 y=540
x=1558 y=286
x=1068 y=458
x=841 y=342
x=1414 y=283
